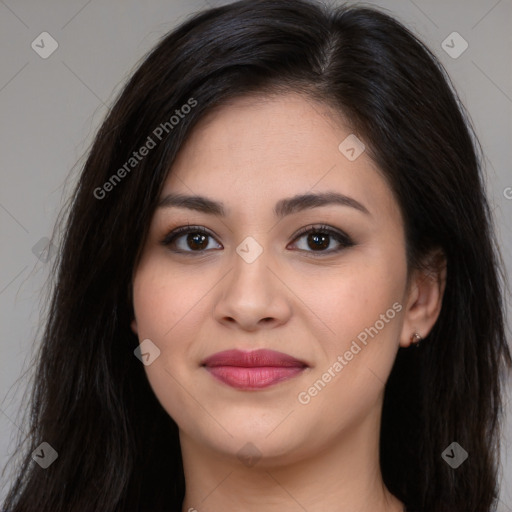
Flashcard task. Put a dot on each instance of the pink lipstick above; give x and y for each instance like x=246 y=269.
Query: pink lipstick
x=253 y=370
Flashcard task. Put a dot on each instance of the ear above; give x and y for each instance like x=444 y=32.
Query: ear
x=424 y=297
x=133 y=325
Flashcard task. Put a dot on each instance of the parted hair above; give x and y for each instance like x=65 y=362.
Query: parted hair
x=90 y=398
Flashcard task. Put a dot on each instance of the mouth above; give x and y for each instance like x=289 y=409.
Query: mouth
x=253 y=370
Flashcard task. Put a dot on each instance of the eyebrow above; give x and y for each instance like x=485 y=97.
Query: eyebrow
x=282 y=208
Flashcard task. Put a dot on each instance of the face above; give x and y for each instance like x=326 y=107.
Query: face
x=322 y=282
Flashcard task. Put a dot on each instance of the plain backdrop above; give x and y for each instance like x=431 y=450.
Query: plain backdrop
x=51 y=108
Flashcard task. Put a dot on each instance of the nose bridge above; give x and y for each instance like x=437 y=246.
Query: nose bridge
x=251 y=293
x=251 y=276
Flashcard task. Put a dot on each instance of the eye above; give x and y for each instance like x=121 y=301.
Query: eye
x=318 y=238
x=196 y=239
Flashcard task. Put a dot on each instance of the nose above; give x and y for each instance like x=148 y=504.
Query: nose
x=253 y=296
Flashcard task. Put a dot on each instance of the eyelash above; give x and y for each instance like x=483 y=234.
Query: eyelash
x=344 y=240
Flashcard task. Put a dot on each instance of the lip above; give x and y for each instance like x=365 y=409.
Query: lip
x=256 y=369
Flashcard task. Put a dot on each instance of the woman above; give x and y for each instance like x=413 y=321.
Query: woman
x=279 y=286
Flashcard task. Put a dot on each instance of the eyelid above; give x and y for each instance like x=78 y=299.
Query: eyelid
x=343 y=239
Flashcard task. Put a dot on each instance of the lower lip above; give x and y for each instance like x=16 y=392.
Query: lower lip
x=253 y=378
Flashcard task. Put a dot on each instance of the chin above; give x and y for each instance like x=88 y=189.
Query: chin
x=263 y=446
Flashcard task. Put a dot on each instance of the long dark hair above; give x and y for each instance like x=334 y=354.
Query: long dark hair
x=118 y=449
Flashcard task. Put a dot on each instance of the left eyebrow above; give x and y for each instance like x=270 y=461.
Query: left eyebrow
x=282 y=208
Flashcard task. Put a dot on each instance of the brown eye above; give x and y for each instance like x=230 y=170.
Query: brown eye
x=318 y=239
x=196 y=239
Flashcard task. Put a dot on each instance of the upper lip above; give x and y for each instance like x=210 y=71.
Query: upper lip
x=252 y=359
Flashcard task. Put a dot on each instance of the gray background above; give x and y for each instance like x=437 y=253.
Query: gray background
x=50 y=109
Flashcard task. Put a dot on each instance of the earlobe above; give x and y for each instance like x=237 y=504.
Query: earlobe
x=425 y=299
x=133 y=326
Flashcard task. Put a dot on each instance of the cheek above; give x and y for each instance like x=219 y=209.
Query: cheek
x=352 y=297
x=361 y=312
x=161 y=303
x=162 y=298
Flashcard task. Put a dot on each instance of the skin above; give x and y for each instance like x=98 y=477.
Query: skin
x=319 y=456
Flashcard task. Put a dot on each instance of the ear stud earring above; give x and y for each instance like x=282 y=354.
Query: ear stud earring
x=416 y=339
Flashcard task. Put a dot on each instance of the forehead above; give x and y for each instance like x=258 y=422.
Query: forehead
x=265 y=148
x=268 y=129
